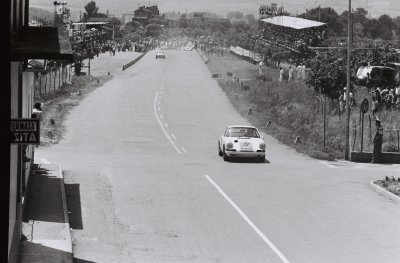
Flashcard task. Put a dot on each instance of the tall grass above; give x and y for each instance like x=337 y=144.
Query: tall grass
x=295 y=110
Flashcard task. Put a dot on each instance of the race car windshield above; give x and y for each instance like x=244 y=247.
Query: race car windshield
x=242 y=132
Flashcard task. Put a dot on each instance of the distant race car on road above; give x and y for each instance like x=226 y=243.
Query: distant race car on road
x=188 y=48
x=160 y=54
x=241 y=141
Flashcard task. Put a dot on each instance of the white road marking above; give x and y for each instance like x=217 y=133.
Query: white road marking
x=166 y=125
x=162 y=127
x=173 y=136
x=248 y=221
x=162 y=117
x=328 y=164
x=184 y=150
x=158 y=108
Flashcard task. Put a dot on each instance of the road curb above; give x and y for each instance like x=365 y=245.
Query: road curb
x=385 y=192
x=203 y=57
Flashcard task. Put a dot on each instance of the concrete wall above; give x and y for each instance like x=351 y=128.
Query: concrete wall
x=13 y=156
x=366 y=157
x=27 y=106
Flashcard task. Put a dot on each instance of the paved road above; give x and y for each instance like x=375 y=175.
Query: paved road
x=142 y=153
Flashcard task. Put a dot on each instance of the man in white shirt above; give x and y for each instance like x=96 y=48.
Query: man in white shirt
x=291 y=73
x=260 y=67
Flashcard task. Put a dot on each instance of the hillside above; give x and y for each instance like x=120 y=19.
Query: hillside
x=38 y=13
x=222 y=7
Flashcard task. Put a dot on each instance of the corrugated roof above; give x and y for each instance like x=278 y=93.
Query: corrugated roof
x=292 y=22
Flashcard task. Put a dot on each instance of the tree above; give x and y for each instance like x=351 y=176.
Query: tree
x=153 y=30
x=91 y=10
x=396 y=25
x=134 y=37
x=234 y=15
x=371 y=28
x=328 y=15
x=386 y=22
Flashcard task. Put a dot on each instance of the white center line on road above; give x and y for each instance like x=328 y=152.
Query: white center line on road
x=162 y=127
x=248 y=221
x=184 y=149
x=162 y=117
x=173 y=136
x=166 y=125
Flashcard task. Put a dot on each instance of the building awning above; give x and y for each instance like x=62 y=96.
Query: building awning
x=41 y=43
x=293 y=22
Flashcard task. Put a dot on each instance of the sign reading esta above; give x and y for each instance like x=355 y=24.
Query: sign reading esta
x=25 y=131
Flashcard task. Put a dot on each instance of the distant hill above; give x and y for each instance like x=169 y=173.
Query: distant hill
x=38 y=13
x=222 y=7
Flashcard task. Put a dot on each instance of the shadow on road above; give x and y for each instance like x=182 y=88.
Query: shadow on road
x=34 y=252
x=73 y=196
x=247 y=160
x=43 y=197
x=77 y=260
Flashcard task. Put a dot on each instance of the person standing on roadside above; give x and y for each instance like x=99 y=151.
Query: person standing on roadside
x=260 y=66
x=378 y=140
x=291 y=74
x=299 y=68
x=281 y=74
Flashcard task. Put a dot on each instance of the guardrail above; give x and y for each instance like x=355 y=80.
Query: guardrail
x=133 y=61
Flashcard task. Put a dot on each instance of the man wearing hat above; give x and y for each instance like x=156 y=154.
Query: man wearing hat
x=378 y=140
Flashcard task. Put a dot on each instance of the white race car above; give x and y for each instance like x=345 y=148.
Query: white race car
x=241 y=141
x=160 y=54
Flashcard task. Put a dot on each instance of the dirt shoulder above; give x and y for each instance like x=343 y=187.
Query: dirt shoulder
x=57 y=105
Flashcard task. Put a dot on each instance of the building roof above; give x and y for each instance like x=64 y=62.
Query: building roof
x=41 y=43
x=292 y=22
x=99 y=19
x=89 y=23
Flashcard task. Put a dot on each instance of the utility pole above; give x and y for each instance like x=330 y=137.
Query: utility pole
x=319 y=13
x=113 y=34
x=347 y=146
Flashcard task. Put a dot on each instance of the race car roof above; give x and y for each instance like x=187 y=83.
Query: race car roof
x=293 y=22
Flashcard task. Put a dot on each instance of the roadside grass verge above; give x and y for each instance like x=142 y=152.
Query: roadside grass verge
x=292 y=110
x=56 y=106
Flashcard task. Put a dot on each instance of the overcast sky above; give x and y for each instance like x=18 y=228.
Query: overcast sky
x=222 y=7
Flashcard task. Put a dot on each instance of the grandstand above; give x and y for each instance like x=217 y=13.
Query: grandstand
x=292 y=33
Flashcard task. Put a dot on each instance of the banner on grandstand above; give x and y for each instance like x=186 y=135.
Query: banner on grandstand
x=270 y=11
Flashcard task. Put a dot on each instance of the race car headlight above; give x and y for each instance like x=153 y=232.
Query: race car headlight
x=262 y=146
x=229 y=145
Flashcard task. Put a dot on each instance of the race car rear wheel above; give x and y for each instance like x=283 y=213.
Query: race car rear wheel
x=219 y=150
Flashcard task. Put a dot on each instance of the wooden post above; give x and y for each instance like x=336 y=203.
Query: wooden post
x=398 y=140
x=370 y=133
x=355 y=136
x=45 y=84
x=324 y=109
x=89 y=68
x=362 y=132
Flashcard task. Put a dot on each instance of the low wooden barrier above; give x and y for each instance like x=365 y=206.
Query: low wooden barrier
x=133 y=61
